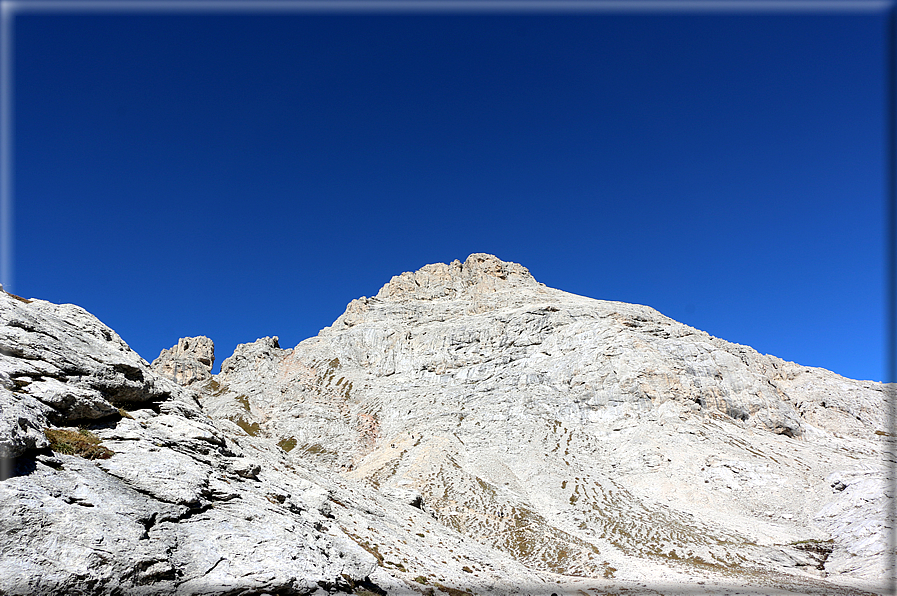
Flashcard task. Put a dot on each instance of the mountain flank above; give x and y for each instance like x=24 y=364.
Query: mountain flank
x=466 y=430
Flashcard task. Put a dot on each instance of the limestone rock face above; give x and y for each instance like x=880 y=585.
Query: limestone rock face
x=189 y=361
x=60 y=365
x=185 y=504
x=580 y=437
x=465 y=431
x=858 y=518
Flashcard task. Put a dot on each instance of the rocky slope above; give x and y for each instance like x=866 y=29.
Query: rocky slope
x=466 y=430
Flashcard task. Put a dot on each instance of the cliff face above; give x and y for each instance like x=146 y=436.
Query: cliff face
x=467 y=428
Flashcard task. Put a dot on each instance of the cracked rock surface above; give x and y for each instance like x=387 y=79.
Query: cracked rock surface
x=465 y=431
x=185 y=505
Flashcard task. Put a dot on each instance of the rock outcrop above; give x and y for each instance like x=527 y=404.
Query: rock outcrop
x=187 y=362
x=465 y=431
x=59 y=365
x=183 y=504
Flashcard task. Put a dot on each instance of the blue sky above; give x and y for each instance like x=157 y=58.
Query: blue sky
x=246 y=175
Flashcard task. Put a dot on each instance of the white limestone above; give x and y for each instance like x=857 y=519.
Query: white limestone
x=467 y=428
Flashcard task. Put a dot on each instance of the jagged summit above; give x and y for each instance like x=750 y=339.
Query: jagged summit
x=189 y=361
x=479 y=273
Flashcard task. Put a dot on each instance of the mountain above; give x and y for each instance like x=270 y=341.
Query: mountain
x=467 y=430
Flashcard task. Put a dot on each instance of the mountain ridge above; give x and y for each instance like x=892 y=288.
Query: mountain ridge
x=465 y=430
x=409 y=333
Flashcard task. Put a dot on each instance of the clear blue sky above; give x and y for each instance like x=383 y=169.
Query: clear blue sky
x=238 y=176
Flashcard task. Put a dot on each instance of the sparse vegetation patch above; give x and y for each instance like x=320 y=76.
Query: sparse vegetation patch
x=250 y=429
x=244 y=401
x=82 y=443
x=19 y=298
x=287 y=444
x=453 y=591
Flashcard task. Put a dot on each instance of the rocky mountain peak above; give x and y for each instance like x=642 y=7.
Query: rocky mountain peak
x=480 y=273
